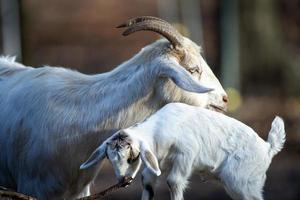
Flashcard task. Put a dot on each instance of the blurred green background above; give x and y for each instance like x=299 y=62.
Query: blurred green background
x=252 y=46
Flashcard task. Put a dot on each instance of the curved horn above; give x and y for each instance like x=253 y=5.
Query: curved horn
x=159 y=26
x=135 y=20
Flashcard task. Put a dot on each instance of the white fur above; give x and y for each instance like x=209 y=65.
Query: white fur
x=185 y=138
x=52 y=118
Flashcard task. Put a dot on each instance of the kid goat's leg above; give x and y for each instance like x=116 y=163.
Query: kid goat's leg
x=177 y=179
x=148 y=180
x=243 y=182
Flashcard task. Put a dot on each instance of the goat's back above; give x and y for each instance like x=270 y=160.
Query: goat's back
x=207 y=130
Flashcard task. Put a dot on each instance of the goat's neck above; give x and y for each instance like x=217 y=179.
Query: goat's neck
x=114 y=100
x=126 y=97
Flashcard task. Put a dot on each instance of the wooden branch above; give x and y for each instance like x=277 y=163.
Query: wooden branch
x=6 y=194
x=111 y=189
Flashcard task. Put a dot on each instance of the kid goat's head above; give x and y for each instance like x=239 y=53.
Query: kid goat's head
x=174 y=58
x=126 y=156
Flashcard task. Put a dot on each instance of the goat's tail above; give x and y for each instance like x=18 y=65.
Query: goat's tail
x=276 y=136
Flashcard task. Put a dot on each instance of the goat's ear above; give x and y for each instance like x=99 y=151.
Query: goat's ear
x=181 y=77
x=97 y=156
x=150 y=160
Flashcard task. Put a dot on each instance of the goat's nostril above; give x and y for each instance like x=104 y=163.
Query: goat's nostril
x=225 y=98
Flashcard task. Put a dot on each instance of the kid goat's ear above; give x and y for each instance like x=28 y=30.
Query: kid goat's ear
x=97 y=156
x=149 y=159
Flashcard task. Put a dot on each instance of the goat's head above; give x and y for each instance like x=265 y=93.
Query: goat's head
x=125 y=154
x=176 y=57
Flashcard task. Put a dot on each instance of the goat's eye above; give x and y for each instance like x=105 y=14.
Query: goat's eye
x=194 y=70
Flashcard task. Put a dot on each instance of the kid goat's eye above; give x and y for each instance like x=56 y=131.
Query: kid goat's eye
x=130 y=160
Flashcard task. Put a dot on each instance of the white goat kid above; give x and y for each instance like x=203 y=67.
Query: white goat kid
x=181 y=138
x=53 y=118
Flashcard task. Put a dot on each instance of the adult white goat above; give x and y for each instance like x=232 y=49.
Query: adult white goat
x=180 y=139
x=53 y=118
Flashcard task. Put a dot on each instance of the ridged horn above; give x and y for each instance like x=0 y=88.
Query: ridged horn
x=148 y=23
x=139 y=19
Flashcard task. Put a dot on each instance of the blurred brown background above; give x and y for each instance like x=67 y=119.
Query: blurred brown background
x=252 y=46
